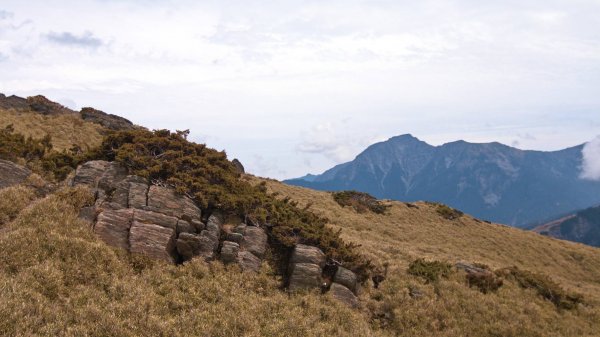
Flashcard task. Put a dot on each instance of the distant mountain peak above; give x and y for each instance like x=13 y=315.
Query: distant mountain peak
x=488 y=180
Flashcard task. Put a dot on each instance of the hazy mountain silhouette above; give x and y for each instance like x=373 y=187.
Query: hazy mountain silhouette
x=491 y=180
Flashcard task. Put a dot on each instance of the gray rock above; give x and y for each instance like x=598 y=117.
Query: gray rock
x=113 y=227
x=109 y=121
x=235 y=237
x=12 y=174
x=241 y=229
x=307 y=254
x=185 y=227
x=192 y=245
x=137 y=195
x=248 y=261
x=88 y=214
x=112 y=175
x=153 y=240
x=188 y=245
x=155 y=218
x=343 y=294
x=90 y=173
x=255 y=241
x=165 y=200
x=198 y=225
x=469 y=268
x=229 y=251
x=346 y=278
x=238 y=166
x=305 y=276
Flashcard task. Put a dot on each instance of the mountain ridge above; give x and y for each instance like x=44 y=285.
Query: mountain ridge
x=489 y=180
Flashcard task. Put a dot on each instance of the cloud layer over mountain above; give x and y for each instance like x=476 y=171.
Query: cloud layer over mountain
x=591 y=160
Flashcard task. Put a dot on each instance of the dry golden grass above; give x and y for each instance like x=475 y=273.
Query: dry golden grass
x=58 y=279
x=451 y=308
x=66 y=130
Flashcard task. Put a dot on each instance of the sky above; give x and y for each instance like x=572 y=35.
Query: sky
x=295 y=87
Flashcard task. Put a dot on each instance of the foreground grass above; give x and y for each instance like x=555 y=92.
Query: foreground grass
x=58 y=279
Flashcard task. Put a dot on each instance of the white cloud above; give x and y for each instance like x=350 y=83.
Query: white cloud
x=249 y=77
x=591 y=160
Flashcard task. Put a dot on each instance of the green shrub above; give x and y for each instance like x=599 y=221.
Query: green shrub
x=544 y=286
x=360 y=201
x=431 y=271
x=214 y=183
x=447 y=212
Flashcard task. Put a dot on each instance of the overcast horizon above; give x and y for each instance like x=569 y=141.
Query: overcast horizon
x=296 y=87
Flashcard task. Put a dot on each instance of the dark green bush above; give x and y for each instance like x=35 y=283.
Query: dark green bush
x=214 y=183
x=431 y=271
x=360 y=201
x=447 y=212
x=544 y=286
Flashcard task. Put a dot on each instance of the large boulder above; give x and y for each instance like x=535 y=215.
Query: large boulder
x=346 y=278
x=113 y=227
x=238 y=166
x=343 y=294
x=109 y=121
x=13 y=102
x=165 y=200
x=137 y=195
x=192 y=245
x=90 y=173
x=153 y=240
x=248 y=261
x=308 y=254
x=255 y=241
x=155 y=218
x=305 y=276
x=41 y=104
x=229 y=251
x=12 y=174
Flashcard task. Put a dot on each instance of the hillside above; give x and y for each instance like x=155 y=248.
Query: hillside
x=62 y=278
x=490 y=181
x=582 y=226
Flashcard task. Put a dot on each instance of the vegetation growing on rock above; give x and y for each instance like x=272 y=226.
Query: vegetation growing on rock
x=207 y=176
x=360 y=201
x=431 y=271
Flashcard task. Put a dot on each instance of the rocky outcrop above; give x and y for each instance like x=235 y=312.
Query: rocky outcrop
x=343 y=294
x=305 y=276
x=45 y=106
x=109 y=121
x=238 y=166
x=308 y=269
x=346 y=278
x=155 y=221
x=12 y=174
x=13 y=102
x=307 y=254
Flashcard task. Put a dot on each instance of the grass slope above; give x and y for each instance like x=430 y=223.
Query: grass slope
x=66 y=130
x=449 y=307
x=58 y=279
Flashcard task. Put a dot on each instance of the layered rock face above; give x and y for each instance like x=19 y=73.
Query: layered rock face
x=131 y=214
x=155 y=221
x=307 y=269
